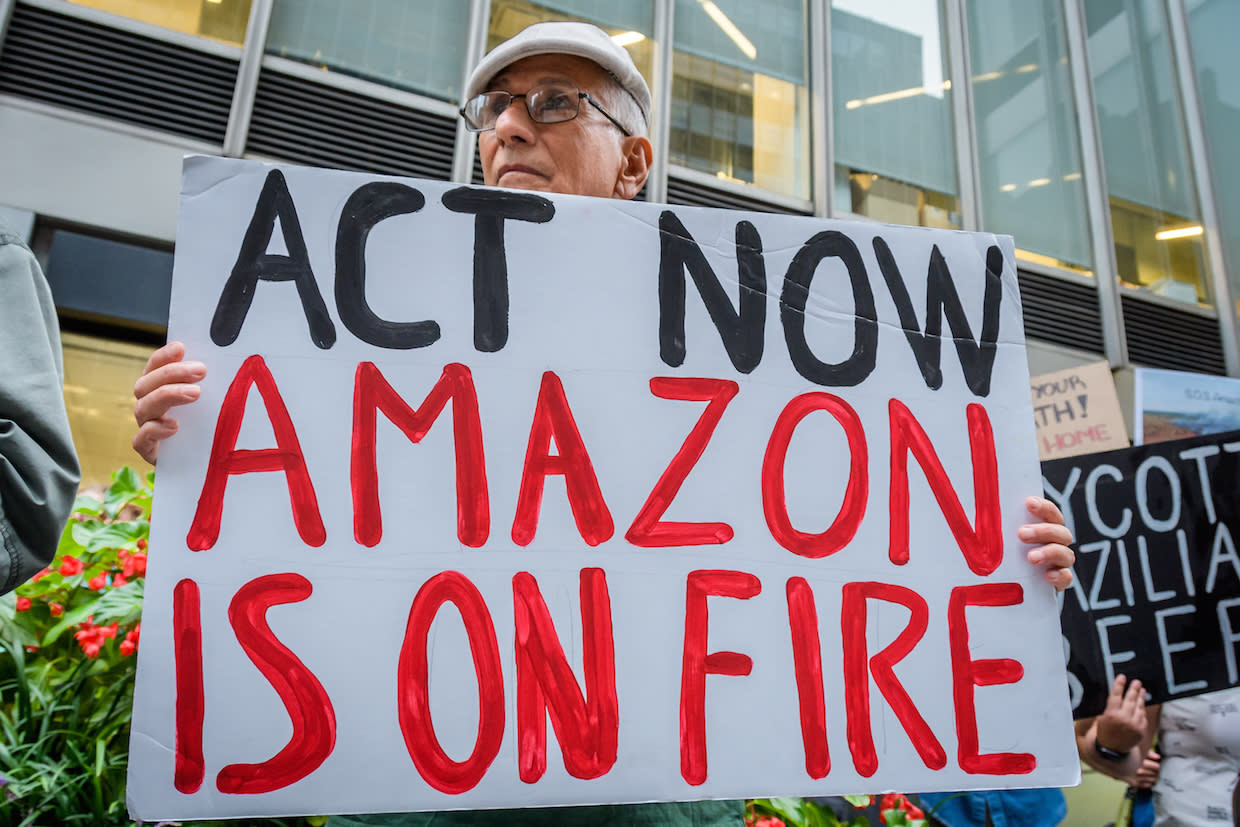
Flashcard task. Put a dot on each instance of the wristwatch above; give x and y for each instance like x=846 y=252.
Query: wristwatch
x=1108 y=753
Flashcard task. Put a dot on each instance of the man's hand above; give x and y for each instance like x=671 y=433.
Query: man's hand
x=166 y=381
x=1053 y=553
x=1122 y=724
x=1147 y=776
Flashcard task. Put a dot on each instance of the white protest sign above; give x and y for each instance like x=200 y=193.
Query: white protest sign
x=693 y=485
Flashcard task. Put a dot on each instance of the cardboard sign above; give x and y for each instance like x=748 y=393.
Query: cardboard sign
x=731 y=500
x=1076 y=411
x=1175 y=404
x=1157 y=588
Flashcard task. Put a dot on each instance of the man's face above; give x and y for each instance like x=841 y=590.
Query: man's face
x=584 y=156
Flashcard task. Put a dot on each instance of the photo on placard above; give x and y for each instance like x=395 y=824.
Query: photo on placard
x=1174 y=404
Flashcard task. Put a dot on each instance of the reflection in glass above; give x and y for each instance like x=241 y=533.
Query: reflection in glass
x=895 y=157
x=99 y=377
x=629 y=22
x=217 y=19
x=1154 y=212
x=1027 y=132
x=1213 y=25
x=418 y=45
x=740 y=93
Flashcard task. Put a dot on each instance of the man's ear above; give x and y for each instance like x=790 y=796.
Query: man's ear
x=634 y=167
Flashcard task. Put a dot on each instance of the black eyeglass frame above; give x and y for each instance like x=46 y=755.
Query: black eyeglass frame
x=586 y=96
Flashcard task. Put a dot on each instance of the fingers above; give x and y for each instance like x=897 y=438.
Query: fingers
x=1056 y=559
x=1116 y=695
x=1060 y=578
x=166 y=381
x=1044 y=510
x=156 y=404
x=166 y=355
x=1048 y=532
x=1134 y=697
x=178 y=372
x=146 y=441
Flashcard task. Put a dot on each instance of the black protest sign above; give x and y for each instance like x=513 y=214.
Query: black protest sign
x=1157 y=588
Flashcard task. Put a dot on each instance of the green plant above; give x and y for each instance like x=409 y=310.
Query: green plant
x=895 y=810
x=67 y=644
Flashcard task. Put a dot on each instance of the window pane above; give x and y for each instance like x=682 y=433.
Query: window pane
x=418 y=45
x=1213 y=25
x=1154 y=212
x=740 y=92
x=99 y=377
x=629 y=22
x=218 y=19
x=1028 y=139
x=895 y=157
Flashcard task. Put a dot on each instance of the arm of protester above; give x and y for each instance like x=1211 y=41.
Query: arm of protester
x=1051 y=539
x=1117 y=742
x=167 y=381
x=38 y=467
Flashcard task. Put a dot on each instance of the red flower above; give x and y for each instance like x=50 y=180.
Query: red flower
x=23 y=604
x=99 y=582
x=71 y=566
x=900 y=803
x=56 y=609
x=118 y=581
x=767 y=821
x=135 y=565
x=130 y=644
x=40 y=576
x=141 y=544
x=91 y=637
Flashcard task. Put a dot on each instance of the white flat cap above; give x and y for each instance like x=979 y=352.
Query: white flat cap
x=564 y=38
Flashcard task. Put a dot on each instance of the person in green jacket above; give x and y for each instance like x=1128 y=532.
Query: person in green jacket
x=39 y=470
x=557 y=108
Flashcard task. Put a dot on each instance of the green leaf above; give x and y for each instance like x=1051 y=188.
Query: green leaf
x=96 y=537
x=859 y=801
x=126 y=484
x=86 y=504
x=791 y=810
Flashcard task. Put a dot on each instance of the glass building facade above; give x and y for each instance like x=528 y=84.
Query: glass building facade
x=1096 y=132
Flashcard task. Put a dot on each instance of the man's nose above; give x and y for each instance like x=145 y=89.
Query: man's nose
x=515 y=124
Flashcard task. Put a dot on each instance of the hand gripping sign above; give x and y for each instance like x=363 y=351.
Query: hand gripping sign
x=728 y=500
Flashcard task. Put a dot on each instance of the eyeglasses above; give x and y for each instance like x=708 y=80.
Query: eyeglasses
x=546 y=104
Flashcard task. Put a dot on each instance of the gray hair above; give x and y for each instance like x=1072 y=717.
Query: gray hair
x=622 y=105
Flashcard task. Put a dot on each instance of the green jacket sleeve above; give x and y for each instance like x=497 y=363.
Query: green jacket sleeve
x=39 y=470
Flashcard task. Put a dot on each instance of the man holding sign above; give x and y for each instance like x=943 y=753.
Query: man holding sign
x=560 y=108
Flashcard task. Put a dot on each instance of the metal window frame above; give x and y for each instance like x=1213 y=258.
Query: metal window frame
x=1199 y=163
x=1097 y=205
x=961 y=75
x=246 y=87
x=661 y=115
x=821 y=139
x=6 y=14
x=475 y=47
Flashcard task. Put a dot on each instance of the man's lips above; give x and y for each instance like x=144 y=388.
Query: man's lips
x=519 y=168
